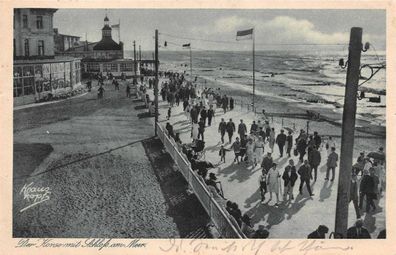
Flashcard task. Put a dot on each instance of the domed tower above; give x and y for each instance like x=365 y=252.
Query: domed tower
x=106 y=30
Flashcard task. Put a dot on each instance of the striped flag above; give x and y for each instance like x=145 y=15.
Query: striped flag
x=187 y=45
x=244 y=34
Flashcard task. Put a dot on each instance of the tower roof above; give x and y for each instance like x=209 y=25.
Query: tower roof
x=107 y=44
x=106 y=19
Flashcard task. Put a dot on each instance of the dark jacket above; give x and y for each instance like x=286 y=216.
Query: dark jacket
x=292 y=178
x=353 y=191
x=305 y=172
x=289 y=140
x=301 y=145
x=367 y=184
x=242 y=128
x=317 y=140
x=281 y=139
x=253 y=128
x=222 y=126
x=314 y=158
x=352 y=233
x=267 y=163
x=230 y=127
x=210 y=113
x=204 y=114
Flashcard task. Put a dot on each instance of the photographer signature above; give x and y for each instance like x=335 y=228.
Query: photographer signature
x=34 y=195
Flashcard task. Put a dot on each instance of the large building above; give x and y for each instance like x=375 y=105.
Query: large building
x=38 y=73
x=105 y=56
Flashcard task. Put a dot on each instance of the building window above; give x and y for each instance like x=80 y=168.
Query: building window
x=93 y=67
x=110 y=67
x=25 y=21
x=27 y=47
x=39 y=22
x=126 y=67
x=40 y=48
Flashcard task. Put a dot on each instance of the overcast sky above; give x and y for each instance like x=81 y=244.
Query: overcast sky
x=271 y=26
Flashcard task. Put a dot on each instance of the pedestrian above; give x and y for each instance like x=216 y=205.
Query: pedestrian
x=231 y=103
x=236 y=213
x=224 y=104
x=314 y=159
x=267 y=162
x=169 y=128
x=194 y=131
x=331 y=164
x=194 y=114
x=261 y=132
x=273 y=182
x=253 y=128
x=271 y=139
x=259 y=150
x=246 y=226
x=366 y=190
x=250 y=151
x=222 y=153
x=100 y=92
x=242 y=153
x=267 y=129
x=330 y=144
x=305 y=174
x=187 y=111
x=280 y=141
x=210 y=114
x=201 y=129
x=319 y=233
x=263 y=184
x=242 y=130
x=230 y=129
x=128 y=91
x=353 y=194
x=289 y=143
x=236 y=146
x=301 y=143
x=358 y=231
x=204 y=115
x=222 y=129
x=317 y=139
x=169 y=113
x=289 y=177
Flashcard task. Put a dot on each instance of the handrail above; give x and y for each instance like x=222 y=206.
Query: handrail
x=224 y=225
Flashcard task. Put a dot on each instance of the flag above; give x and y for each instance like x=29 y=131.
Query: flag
x=187 y=45
x=244 y=34
x=116 y=26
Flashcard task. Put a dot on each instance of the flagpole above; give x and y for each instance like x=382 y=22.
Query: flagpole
x=119 y=30
x=254 y=79
x=191 y=64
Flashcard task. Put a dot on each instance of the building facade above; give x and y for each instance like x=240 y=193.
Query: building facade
x=65 y=42
x=33 y=33
x=37 y=73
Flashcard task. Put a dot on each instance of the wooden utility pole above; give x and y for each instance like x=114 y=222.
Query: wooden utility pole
x=134 y=57
x=156 y=82
x=348 y=130
x=191 y=64
x=254 y=75
x=140 y=53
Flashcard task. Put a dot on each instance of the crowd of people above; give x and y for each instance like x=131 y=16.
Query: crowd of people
x=256 y=146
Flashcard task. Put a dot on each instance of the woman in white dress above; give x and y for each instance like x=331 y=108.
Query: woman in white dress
x=195 y=127
x=273 y=182
x=250 y=151
x=259 y=151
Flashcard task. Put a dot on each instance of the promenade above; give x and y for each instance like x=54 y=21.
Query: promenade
x=240 y=182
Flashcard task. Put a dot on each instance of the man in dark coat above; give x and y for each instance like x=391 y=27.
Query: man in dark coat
x=222 y=129
x=280 y=141
x=253 y=128
x=314 y=159
x=201 y=129
x=230 y=129
x=194 y=114
x=358 y=231
x=210 y=115
x=204 y=115
x=319 y=233
x=366 y=189
x=317 y=139
x=289 y=140
x=242 y=130
x=305 y=176
x=301 y=147
x=289 y=177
